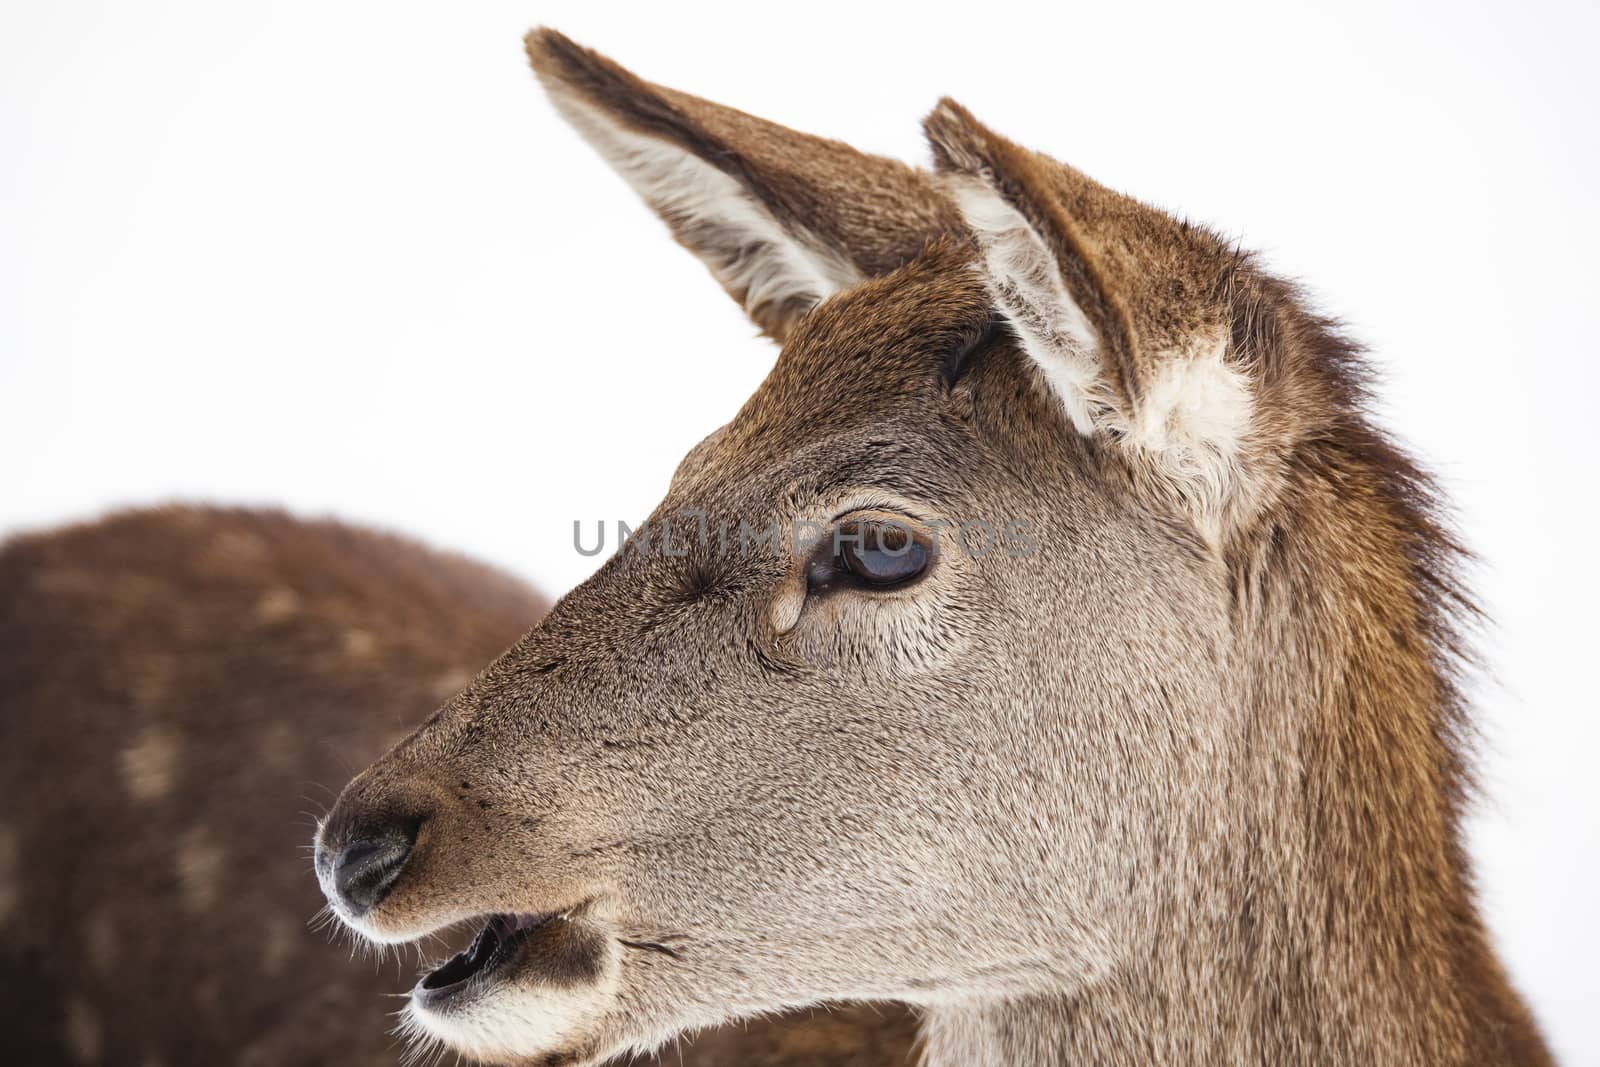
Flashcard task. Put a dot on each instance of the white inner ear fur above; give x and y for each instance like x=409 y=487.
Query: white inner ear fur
x=1194 y=419
x=1026 y=285
x=742 y=243
x=1194 y=415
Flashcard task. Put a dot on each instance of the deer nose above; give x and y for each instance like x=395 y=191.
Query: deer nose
x=359 y=873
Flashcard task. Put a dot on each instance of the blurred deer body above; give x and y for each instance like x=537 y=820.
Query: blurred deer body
x=180 y=687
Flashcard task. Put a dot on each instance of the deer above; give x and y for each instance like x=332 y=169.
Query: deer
x=1176 y=776
x=178 y=687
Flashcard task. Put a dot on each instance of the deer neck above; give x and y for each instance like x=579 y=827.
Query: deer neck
x=1332 y=919
x=1254 y=1002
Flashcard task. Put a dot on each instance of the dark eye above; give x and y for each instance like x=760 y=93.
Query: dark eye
x=880 y=552
x=869 y=552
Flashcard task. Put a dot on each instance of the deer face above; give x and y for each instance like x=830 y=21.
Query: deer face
x=923 y=651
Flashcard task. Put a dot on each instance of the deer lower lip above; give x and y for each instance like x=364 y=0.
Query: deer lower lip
x=500 y=940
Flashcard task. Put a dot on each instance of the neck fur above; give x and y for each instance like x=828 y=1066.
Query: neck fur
x=1334 y=920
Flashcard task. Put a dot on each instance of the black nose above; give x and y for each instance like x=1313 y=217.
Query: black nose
x=361 y=872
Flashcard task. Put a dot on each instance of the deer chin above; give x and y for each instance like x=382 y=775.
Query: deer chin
x=529 y=987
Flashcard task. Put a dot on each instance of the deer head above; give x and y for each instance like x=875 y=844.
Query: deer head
x=1098 y=555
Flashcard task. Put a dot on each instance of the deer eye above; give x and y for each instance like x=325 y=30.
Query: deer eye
x=869 y=552
x=880 y=553
x=876 y=553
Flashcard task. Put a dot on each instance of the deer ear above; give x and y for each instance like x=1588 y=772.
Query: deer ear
x=1040 y=271
x=1114 y=301
x=782 y=219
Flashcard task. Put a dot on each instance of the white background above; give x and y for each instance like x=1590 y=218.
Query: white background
x=344 y=258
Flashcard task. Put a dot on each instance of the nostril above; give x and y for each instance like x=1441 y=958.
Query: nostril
x=364 y=870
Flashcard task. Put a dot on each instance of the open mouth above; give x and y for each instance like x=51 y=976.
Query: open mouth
x=501 y=941
x=528 y=983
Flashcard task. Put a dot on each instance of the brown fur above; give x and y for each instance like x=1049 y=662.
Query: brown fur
x=1356 y=726
x=877 y=212
x=1182 y=786
x=178 y=690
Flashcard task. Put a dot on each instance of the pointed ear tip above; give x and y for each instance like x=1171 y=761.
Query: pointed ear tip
x=542 y=40
x=554 y=55
x=944 y=114
x=958 y=140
